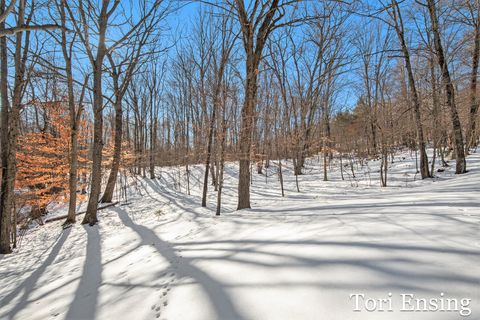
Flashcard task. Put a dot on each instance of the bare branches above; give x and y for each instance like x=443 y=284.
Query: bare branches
x=8 y=10
x=10 y=31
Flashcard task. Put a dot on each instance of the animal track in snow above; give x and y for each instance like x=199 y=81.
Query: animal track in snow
x=163 y=295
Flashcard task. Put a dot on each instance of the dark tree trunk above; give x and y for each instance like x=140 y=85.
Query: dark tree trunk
x=74 y=123
x=95 y=185
x=4 y=215
x=117 y=148
x=97 y=64
x=255 y=31
x=223 y=137
x=72 y=179
x=472 y=134
x=208 y=156
x=153 y=143
x=280 y=176
x=10 y=128
x=416 y=101
x=435 y=110
x=461 y=165
x=246 y=134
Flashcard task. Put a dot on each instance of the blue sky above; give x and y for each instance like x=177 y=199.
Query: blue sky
x=181 y=22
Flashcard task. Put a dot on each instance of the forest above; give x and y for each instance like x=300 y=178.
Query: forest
x=243 y=109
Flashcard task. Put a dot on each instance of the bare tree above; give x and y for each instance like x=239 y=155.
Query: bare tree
x=396 y=17
x=122 y=67
x=469 y=14
x=257 y=20
x=372 y=45
x=75 y=109
x=461 y=165
x=5 y=195
x=11 y=114
x=86 y=16
x=226 y=40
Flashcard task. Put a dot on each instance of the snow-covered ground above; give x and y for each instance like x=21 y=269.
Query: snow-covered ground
x=300 y=257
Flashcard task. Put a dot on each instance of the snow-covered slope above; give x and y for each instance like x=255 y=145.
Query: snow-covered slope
x=299 y=257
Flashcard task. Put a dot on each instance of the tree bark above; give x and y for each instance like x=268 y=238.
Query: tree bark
x=435 y=110
x=461 y=165
x=153 y=142
x=246 y=134
x=96 y=175
x=10 y=134
x=96 y=180
x=208 y=156
x=74 y=122
x=254 y=41
x=223 y=138
x=117 y=148
x=4 y=216
x=472 y=134
x=397 y=17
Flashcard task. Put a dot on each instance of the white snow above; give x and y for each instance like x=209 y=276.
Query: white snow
x=299 y=257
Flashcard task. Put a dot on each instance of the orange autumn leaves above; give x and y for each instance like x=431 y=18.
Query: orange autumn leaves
x=44 y=158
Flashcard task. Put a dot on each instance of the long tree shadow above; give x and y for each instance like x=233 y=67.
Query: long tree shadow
x=84 y=304
x=218 y=297
x=399 y=270
x=28 y=285
x=186 y=204
x=359 y=244
x=173 y=198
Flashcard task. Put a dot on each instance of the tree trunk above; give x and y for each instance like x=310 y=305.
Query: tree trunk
x=10 y=133
x=280 y=176
x=299 y=162
x=246 y=134
x=296 y=177
x=4 y=216
x=461 y=165
x=472 y=134
x=416 y=101
x=220 y=182
x=117 y=148
x=97 y=64
x=217 y=171
x=341 y=166
x=325 y=148
x=95 y=185
x=324 y=151
x=72 y=180
x=254 y=40
x=208 y=156
x=74 y=122
x=437 y=134
x=221 y=161
x=153 y=142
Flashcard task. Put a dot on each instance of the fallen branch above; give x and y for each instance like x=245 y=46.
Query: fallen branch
x=78 y=213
